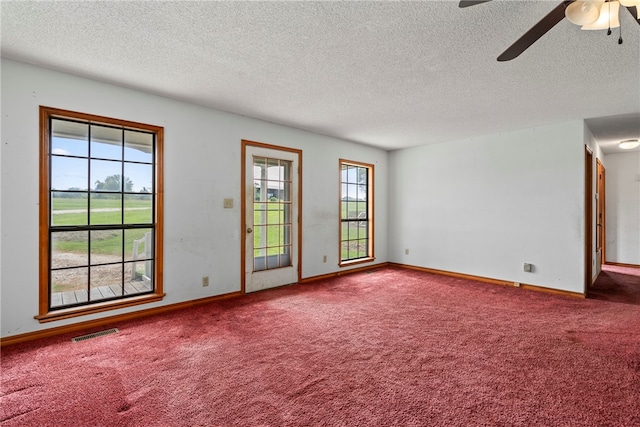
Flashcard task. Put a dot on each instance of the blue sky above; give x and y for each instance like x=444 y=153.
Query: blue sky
x=71 y=172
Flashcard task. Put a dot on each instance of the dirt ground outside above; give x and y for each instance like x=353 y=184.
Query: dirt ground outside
x=73 y=279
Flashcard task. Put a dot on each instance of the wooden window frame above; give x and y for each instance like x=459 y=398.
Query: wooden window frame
x=370 y=214
x=45 y=314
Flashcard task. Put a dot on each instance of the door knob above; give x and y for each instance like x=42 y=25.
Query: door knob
x=249 y=230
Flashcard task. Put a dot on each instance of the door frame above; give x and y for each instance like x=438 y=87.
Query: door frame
x=601 y=215
x=243 y=204
x=588 y=218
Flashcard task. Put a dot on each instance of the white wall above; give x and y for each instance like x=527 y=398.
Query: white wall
x=622 y=181
x=202 y=167
x=486 y=205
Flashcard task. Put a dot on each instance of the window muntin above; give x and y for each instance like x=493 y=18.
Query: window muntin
x=101 y=230
x=356 y=212
x=272 y=204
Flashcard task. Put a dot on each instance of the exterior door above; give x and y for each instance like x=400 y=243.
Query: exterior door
x=271 y=211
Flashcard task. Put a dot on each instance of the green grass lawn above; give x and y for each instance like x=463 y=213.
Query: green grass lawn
x=103 y=218
x=351 y=209
x=136 y=211
x=59 y=203
x=354 y=236
x=103 y=241
x=354 y=239
x=276 y=237
x=107 y=242
x=110 y=242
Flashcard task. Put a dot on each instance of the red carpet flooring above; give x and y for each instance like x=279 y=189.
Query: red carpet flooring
x=618 y=284
x=389 y=348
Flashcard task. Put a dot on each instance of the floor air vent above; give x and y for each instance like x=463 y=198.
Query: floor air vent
x=94 y=335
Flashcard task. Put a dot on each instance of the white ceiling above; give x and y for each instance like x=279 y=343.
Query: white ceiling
x=387 y=74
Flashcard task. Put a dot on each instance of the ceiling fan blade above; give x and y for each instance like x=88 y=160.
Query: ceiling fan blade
x=537 y=31
x=634 y=12
x=471 y=3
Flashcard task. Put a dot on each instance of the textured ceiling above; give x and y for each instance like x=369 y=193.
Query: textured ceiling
x=388 y=74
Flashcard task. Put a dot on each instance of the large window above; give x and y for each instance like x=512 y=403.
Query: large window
x=100 y=214
x=356 y=212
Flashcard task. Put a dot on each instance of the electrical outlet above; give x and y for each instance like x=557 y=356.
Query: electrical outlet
x=516 y=284
x=205 y=281
x=528 y=267
x=406 y=251
x=324 y=258
x=228 y=203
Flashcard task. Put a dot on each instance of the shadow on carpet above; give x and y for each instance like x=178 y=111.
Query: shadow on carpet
x=617 y=284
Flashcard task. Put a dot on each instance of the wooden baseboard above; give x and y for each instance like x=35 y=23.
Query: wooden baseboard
x=454 y=274
x=343 y=272
x=491 y=280
x=91 y=324
x=97 y=323
x=560 y=292
x=620 y=264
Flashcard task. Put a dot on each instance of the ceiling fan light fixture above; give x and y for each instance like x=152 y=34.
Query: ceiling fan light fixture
x=609 y=17
x=629 y=144
x=583 y=12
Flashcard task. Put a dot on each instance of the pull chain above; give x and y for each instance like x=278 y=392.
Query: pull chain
x=609 y=29
x=620 y=37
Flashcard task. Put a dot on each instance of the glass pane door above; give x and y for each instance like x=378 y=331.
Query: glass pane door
x=271 y=213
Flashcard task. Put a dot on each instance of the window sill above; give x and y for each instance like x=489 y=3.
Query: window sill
x=97 y=308
x=356 y=262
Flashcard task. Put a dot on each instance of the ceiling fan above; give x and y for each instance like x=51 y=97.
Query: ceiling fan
x=583 y=12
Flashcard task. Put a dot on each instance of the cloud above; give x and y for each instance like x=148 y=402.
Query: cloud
x=60 y=151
